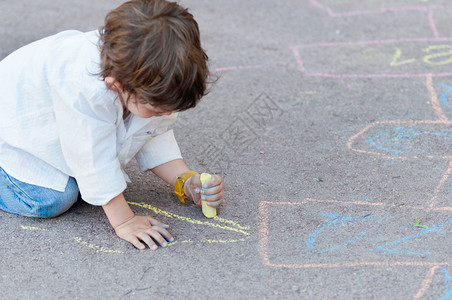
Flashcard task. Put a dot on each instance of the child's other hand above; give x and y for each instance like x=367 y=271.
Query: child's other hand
x=145 y=229
x=212 y=192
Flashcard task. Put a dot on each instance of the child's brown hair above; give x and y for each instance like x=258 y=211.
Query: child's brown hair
x=153 y=48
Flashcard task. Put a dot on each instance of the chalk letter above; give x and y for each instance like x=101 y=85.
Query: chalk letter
x=397 y=55
x=428 y=58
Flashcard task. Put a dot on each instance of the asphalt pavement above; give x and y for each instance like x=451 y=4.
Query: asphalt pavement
x=331 y=124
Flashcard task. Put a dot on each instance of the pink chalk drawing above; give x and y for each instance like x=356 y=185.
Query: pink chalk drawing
x=378 y=7
x=340 y=8
x=233 y=68
x=406 y=58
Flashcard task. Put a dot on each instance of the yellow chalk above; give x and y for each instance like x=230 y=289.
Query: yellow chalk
x=209 y=212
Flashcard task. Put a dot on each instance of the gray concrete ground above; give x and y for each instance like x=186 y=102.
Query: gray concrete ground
x=331 y=125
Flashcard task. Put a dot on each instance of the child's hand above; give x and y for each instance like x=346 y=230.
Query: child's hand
x=212 y=193
x=145 y=229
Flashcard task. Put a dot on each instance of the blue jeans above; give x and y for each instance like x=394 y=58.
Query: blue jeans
x=35 y=201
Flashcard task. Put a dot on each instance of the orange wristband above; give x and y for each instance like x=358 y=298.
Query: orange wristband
x=179 y=186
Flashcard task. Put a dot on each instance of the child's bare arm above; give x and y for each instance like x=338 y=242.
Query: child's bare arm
x=170 y=171
x=135 y=228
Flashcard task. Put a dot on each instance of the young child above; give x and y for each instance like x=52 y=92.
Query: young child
x=77 y=107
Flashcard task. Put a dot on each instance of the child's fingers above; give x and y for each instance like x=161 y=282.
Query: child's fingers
x=163 y=232
x=215 y=181
x=156 y=236
x=214 y=190
x=135 y=241
x=214 y=203
x=155 y=222
x=145 y=237
x=212 y=198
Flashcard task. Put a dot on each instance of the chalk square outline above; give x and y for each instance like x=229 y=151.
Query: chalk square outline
x=348 y=13
x=299 y=60
x=264 y=233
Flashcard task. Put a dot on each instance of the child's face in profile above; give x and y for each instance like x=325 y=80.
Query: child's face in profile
x=140 y=109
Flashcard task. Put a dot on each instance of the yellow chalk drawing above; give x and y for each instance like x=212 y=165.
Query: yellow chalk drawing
x=395 y=60
x=181 y=242
x=207 y=241
x=309 y=92
x=95 y=247
x=235 y=224
x=224 y=241
x=193 y=221
x=33 y=228
x=429 y=59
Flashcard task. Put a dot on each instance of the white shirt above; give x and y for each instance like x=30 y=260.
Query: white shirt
x=58 y=119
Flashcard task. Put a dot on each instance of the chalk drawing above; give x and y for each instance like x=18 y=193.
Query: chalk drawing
x=429 y=58
x=392 y=139
x=413 y=247
x=385 y=249
x=230 y=226
x=232 y=68
x=431 y=22
x=446 y=283
x=235 y=227
x=396 y=59
x=79 y=240
x=382 y=7
x=335 y=219
x=97 y=248
x=426 y=283
x=376 y=58
x=444 y=96
x=189 y=241
x=405 y=139
x=33 y=228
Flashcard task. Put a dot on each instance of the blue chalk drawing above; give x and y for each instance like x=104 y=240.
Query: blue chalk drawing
x=401 y=139
x=397 y=141
x=444 y=95
x=385 y=249
x=447 y=284
x=440 y=134
x=335 y=220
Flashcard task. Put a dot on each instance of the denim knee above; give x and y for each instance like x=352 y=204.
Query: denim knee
x=56 y=203
x=35 y=201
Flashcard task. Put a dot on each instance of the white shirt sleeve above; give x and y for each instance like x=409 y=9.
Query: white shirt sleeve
x=161 y=147
x=86 y=122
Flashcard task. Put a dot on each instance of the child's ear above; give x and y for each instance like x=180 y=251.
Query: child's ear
x=113 y=84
